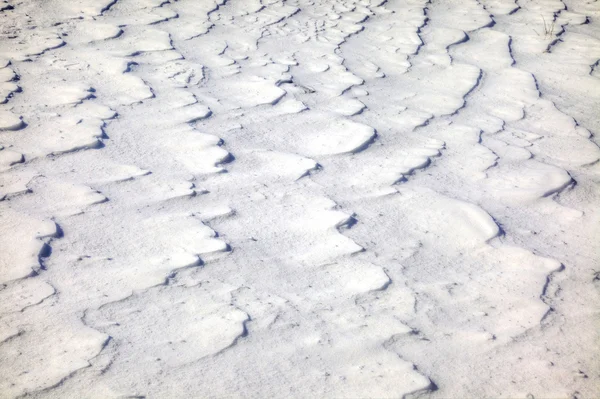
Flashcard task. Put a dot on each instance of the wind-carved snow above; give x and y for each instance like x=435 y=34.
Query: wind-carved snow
x=25 y=241
x=208 y=322
x=10 y=121
x=349 y=198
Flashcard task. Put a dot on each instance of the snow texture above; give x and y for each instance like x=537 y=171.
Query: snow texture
x=299 y=198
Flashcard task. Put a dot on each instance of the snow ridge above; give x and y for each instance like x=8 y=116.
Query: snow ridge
x=342 y=194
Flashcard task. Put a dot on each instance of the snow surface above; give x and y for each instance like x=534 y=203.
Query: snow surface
x=299 y=198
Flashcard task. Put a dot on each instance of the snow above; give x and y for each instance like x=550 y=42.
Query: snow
x=299 y=198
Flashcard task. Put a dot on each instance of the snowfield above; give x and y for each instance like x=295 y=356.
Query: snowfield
x=300 y=199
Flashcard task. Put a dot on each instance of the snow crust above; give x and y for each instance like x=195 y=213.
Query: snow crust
x=299 y=198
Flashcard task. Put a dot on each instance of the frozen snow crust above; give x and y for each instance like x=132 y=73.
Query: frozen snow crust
x=299 y=198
